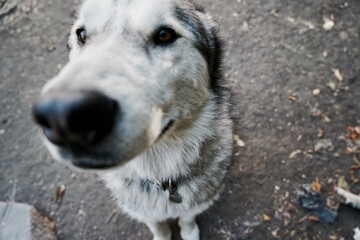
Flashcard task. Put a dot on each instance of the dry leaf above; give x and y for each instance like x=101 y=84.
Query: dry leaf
x=238 y=141
x=245 y=26
x=323 y=144
x=353 y=178
x=316 y=92
x=266 y=218
x=275 y=233
x=50 y=47
x=316 y=186
x=342 y=183
x=325 y=54
x=60 y=192
x=353 y=133
x=328 y=24
x=291 y=98
x=356 y=160
x=349 y=150
x=338 y=74
x=314 y=218
x=321 y=133
x=326 y=118
x=333 y=237
x=295 y=153
x=290 y=19
x=299 y=137
x=331 y=85
x=357 y=129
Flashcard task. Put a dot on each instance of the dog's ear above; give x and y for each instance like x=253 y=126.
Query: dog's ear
x=211 y=26
x=214 y=48
x=210 y=23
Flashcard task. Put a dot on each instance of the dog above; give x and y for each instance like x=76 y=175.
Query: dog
x=142 y=100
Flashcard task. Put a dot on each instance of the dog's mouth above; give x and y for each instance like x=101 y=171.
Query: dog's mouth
x=91 y=166
x=167 y=127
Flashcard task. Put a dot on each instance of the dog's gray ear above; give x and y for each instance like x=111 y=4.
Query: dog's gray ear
x=210 y=23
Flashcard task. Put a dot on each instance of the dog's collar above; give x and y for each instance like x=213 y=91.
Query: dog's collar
x=168 y=185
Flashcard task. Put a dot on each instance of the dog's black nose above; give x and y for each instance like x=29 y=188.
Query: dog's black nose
x=76 y=118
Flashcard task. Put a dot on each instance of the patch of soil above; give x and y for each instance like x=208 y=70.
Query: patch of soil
x=294 y=70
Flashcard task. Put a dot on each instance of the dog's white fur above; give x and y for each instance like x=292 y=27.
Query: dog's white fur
x=172 y=83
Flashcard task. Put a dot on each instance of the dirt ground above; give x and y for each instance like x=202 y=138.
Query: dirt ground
x=294 y=67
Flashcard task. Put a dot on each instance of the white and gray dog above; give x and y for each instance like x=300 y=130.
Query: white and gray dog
x=142 y=96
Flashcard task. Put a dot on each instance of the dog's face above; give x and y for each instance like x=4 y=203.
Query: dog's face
x=138 y=71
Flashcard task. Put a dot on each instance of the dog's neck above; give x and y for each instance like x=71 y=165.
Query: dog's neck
x=173 y=155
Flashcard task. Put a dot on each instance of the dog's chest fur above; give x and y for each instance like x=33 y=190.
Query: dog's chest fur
x=196 y=158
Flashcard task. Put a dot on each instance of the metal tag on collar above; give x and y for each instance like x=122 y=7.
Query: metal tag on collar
x=174 y=195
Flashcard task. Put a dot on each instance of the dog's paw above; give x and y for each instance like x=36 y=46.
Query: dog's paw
x=162 y=238
x=192 y=233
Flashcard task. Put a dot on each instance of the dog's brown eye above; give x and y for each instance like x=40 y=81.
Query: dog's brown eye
x=165 y=36
x=81 y=35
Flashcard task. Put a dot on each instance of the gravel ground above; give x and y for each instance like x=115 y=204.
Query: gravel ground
x=294 y=68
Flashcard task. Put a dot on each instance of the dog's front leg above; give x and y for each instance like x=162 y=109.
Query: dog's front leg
x=189 y=228
x=160 y=230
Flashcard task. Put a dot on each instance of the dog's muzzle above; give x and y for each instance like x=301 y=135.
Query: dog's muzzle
x=76 y=120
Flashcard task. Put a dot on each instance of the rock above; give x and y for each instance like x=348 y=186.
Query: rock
x=324 y=144
x=21 y=221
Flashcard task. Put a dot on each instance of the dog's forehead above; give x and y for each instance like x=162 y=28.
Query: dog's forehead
x=94 y=13
x=134 y=14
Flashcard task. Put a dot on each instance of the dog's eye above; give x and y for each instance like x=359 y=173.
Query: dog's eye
x=81 y=35
x=165 y=36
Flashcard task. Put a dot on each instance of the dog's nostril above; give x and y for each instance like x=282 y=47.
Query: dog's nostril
x=92 y=118
x=42 y=121
x=54 y=136
x=41 y=116
x=84 y=118
x=44 y=114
